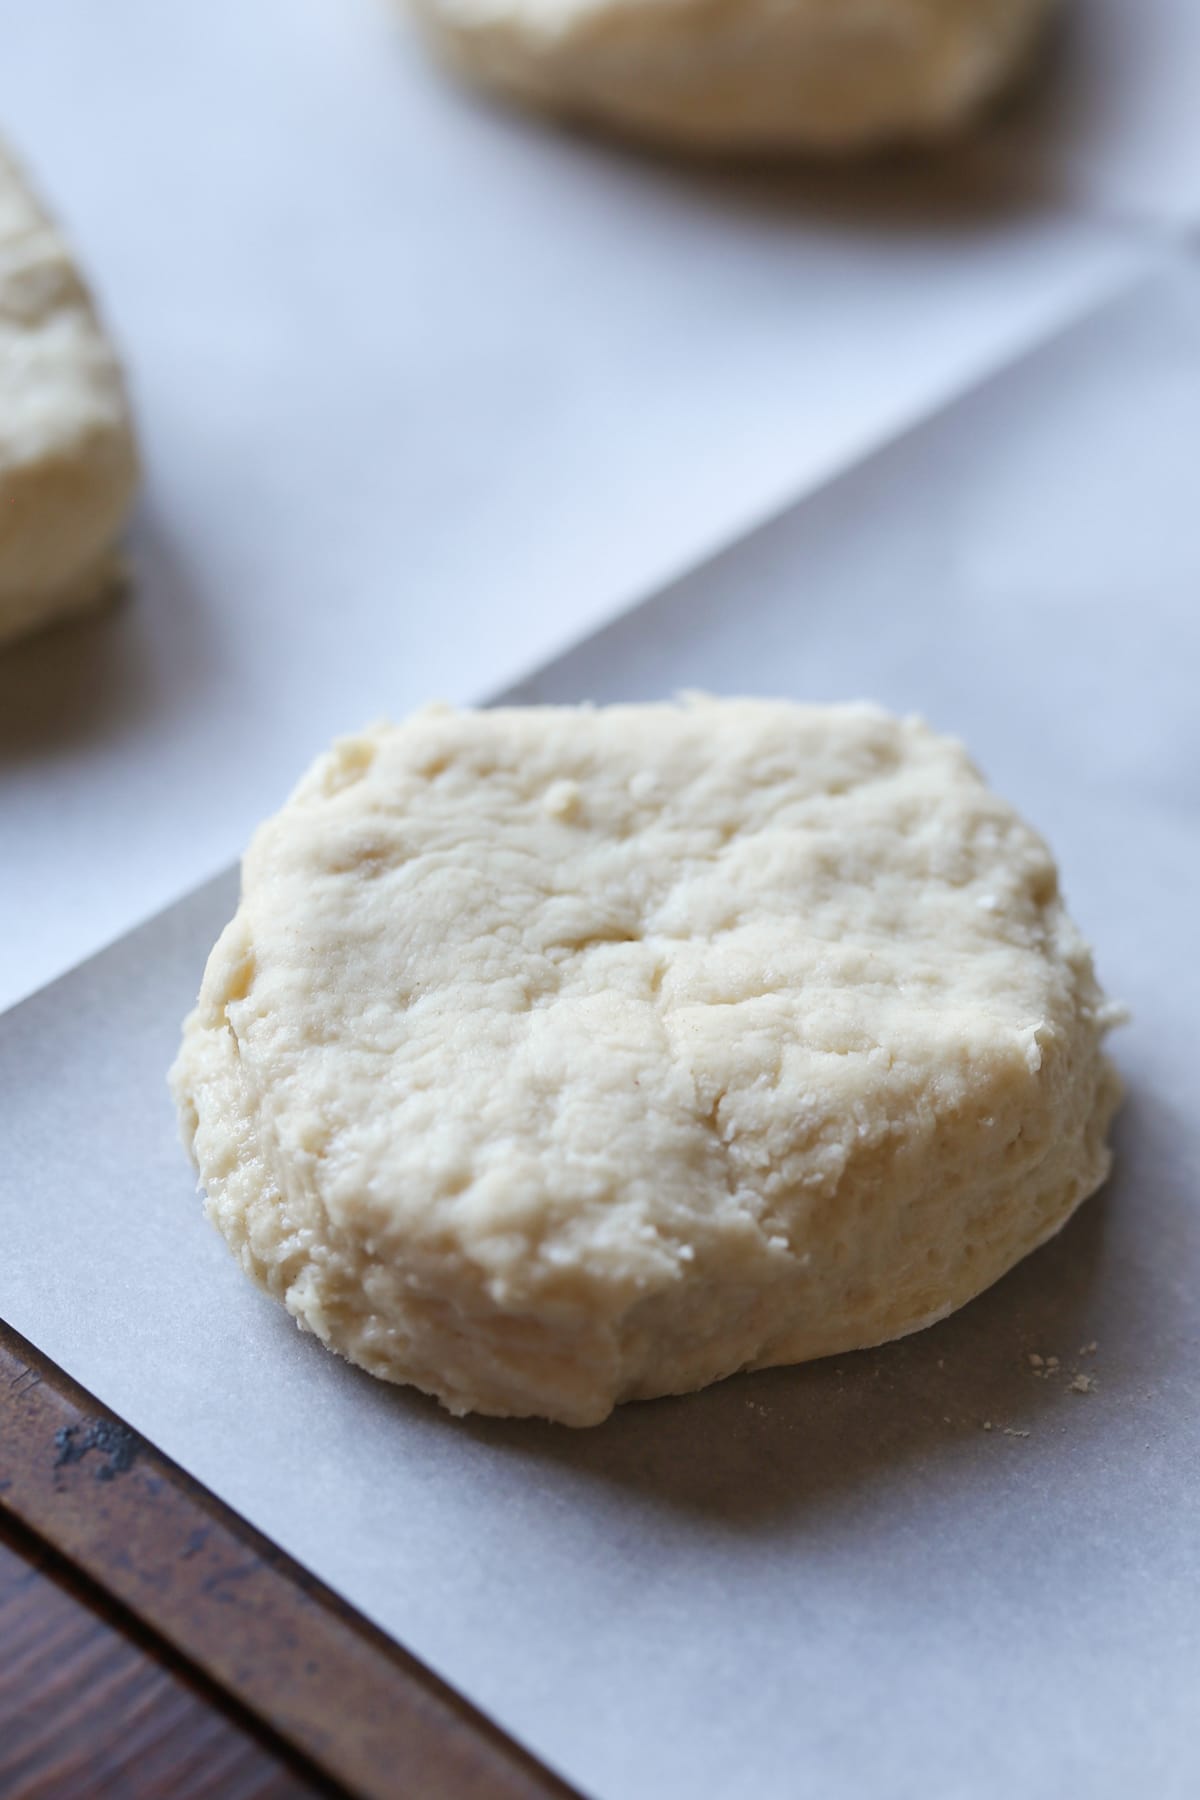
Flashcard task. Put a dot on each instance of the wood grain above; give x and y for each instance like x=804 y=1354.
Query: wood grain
x=90 y=1706
x=249 y=1620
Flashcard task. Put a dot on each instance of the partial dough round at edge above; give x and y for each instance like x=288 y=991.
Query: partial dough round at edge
x=745 y=76
x=560 y=1057
x=68 y=462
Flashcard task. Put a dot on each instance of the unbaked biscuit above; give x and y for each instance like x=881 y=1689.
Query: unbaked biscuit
x=558 y=1057
x=68 y=466
x=745 y=75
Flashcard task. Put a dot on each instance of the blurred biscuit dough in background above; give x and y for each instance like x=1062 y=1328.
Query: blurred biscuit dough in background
x=68 y=464
x=746 y=75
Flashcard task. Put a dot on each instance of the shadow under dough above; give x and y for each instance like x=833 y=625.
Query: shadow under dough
x=109 y=672
x=764 y=1448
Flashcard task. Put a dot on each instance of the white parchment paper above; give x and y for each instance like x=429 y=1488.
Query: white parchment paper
x=924 y=1573
x=426 y=390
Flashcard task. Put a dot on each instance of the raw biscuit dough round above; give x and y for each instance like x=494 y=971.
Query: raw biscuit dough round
x=745 y=75
x=68 y=466
x=558 y=1057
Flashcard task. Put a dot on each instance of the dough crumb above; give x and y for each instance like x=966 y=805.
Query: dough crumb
x=1010 y=1432
x=563 y=800
x=1082 y=1384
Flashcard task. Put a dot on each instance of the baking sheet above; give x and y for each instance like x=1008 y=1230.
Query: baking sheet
x=929 y=1571
x=426 y=390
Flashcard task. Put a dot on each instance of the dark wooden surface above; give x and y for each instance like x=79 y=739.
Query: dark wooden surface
x=89 y=1705
x=278 y=1667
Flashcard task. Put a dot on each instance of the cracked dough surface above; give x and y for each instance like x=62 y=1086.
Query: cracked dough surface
x=556 y=1057
x=68 y=466
x=748 y=75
